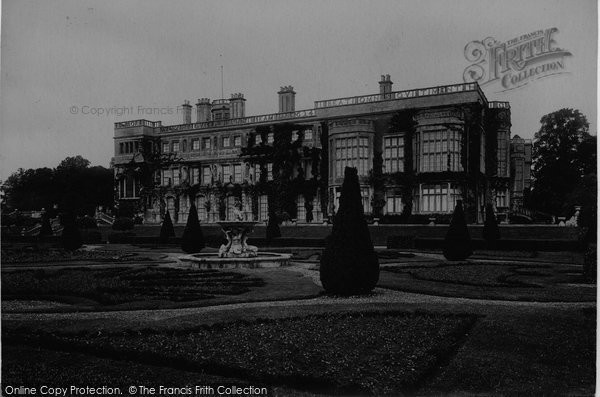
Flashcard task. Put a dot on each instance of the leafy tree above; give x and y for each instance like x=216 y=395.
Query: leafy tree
x=31 y=189
x=457 y=244
x=71 y=184
x=491 y=231
x=166 y=229
x=349 y=264
x=73 y=163
x=563 y=152
x=71 y=238
x=192 y=239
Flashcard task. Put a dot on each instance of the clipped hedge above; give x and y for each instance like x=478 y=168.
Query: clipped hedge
x=123 y=224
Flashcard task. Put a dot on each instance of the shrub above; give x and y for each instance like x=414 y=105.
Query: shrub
x=401 y=241
x=46 y=229
x=349 y=264
x=491 y=231
x=588 y=223
x=272 y=229
x=192 y=240
x=92 y=237
x=392 y=219
x=70 y=238
x=590 y=263
x=87 y=222
x=457 y=244
x=123 y=223
x=166 y=229
x=417 y=219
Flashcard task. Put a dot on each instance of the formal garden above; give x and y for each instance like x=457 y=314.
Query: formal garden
x=343 y=319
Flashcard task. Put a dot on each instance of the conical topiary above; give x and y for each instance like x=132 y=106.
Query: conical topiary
x=349 y=264
x=70 y=238
x=46 y=229
x=192 y=240
x=491 y=231
x=457 y=244
x=272 y=229
x=166 y=230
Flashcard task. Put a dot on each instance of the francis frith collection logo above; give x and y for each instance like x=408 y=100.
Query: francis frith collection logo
x=516 y=62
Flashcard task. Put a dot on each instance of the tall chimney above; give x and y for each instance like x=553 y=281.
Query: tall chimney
x=238 y=105
x=287 y=99
x=187 y=112
x=203 y=110
x=385 y=86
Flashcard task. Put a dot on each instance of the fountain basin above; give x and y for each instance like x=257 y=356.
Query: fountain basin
x=213 y=261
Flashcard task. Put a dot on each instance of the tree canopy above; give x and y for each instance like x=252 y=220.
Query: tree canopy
x=564 y=152
x=73 y=185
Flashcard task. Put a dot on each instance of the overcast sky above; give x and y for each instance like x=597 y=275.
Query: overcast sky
x=64 y=57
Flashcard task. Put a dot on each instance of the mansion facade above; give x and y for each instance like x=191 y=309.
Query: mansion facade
x=417 y=153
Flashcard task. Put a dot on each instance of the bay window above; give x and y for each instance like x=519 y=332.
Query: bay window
x=437 y=150
x=437 y=198
x=351 y=152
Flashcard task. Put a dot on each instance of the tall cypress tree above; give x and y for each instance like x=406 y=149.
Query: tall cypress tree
x=166 y=230
x=349 y=264
x=491 y=231
x=457 y=244
x=272 y=228
x=192 y=240
x=46 y=229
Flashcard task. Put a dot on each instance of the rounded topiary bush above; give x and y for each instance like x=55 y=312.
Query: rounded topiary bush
x=457 y=244
x=491 y=231
x=349 y=264
x=71 y=237
x=122 y=224
x=192 y=240
x=166 y=229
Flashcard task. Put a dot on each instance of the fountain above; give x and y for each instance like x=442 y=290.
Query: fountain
x=236 y=252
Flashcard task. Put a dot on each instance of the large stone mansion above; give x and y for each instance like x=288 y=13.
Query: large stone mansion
x=416 y=151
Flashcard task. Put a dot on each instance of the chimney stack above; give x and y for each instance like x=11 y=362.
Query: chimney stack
x=203 y=110
x=238 y=106
x=287 y=99
x=187 y=112
x=385 y=86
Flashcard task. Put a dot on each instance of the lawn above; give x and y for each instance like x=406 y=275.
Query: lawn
x=331 y=345
x=492 y=280
x=33 y=254
x=551 y=353
x=370 y=353
x=505 y=352
x=148 y=287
